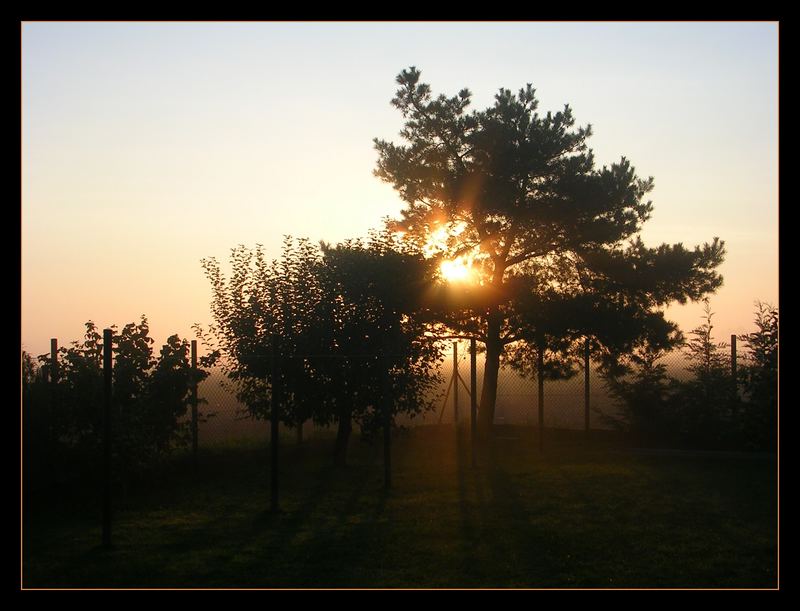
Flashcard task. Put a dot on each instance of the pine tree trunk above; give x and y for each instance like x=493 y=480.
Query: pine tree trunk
x=342 y=437
x=490 y=373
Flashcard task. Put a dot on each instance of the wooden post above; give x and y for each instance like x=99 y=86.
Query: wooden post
x=194 y=403
x=455 y=383
x=53 y=402
x=54 y=360
x=387 y=422
x=586 y=364
x=274 y=417
x=107 y=414
x=540 y=376
x=734 y=389
x=473 y=395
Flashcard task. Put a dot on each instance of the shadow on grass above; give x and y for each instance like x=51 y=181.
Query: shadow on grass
x=520 y=519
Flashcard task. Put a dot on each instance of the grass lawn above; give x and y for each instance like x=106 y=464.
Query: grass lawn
x=577 y=516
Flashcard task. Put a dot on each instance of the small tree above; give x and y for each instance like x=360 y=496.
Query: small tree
x=73 y=406
x=759 y=379
x=266 y=310
x=706 y=397
x=376 y=291
x=330 y=314
x=645 y=395
x=703 y=410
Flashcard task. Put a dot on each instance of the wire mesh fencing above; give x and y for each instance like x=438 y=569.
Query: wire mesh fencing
x=224 y=418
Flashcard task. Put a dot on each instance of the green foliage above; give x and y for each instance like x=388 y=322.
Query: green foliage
x=63 y=417
x=267 y=320
x=263 y=313
x=375 y=291
x=705 y=410
x=335 y=318
x=708 y=399
x=546 y=228
x=646 y=398
x=759 y=378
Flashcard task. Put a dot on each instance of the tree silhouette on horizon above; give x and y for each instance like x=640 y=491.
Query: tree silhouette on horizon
x=339 y=319
x=546 y=229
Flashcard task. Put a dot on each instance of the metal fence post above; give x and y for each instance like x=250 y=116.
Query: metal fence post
x=540 y=376
x=54 y=360
x=734 y=389
x=53 y=399
x=586 y=364
x=455 y=383
x=274 y=424
x=194 y=403
x=473 y=392
x=107 y=378
x=387 y=422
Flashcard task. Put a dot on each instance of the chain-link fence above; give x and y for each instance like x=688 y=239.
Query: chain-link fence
x=224 y=418
x=76 y=422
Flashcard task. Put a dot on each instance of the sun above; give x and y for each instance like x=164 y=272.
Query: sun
x=456 y=270
x=443 y=237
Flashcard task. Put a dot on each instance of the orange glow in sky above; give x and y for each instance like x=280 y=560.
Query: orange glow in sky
x=147 y=146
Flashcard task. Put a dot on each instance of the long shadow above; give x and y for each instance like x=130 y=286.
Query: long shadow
x=358 y=492
x=226 y=537
x=499 y=545
x=265 y=538
x=280 y=532
x=469 y=530
x=339 y=553
x=582 y=521
x=529 y=553
x=517 y=548
x=262 y=539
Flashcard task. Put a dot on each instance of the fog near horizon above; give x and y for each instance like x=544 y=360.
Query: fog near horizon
x=225 y=419
x=149 y=146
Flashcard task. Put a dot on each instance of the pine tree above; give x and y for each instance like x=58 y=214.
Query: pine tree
x=519 y=195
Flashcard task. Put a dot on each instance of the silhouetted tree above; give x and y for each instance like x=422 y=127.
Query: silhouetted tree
x=760 y=380
x=375 y=292
x=151 y=396
x=270 y=309
x=331 y=314
x=645 y=396
x=705 y=402
x=520 y=194
x=703 y=409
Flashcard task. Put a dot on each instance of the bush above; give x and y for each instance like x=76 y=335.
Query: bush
x=646 y=398
x=63 y=416
x=759 y=381
x=707 y=410
x=706 y=402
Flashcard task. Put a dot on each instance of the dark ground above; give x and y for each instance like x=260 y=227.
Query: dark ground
x=580 y=515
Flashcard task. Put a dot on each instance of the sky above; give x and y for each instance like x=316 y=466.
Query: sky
x=147 y=147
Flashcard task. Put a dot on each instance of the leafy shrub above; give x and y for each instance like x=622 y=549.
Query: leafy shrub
x=759 y=380
x=707 y=410
x=63 y=412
